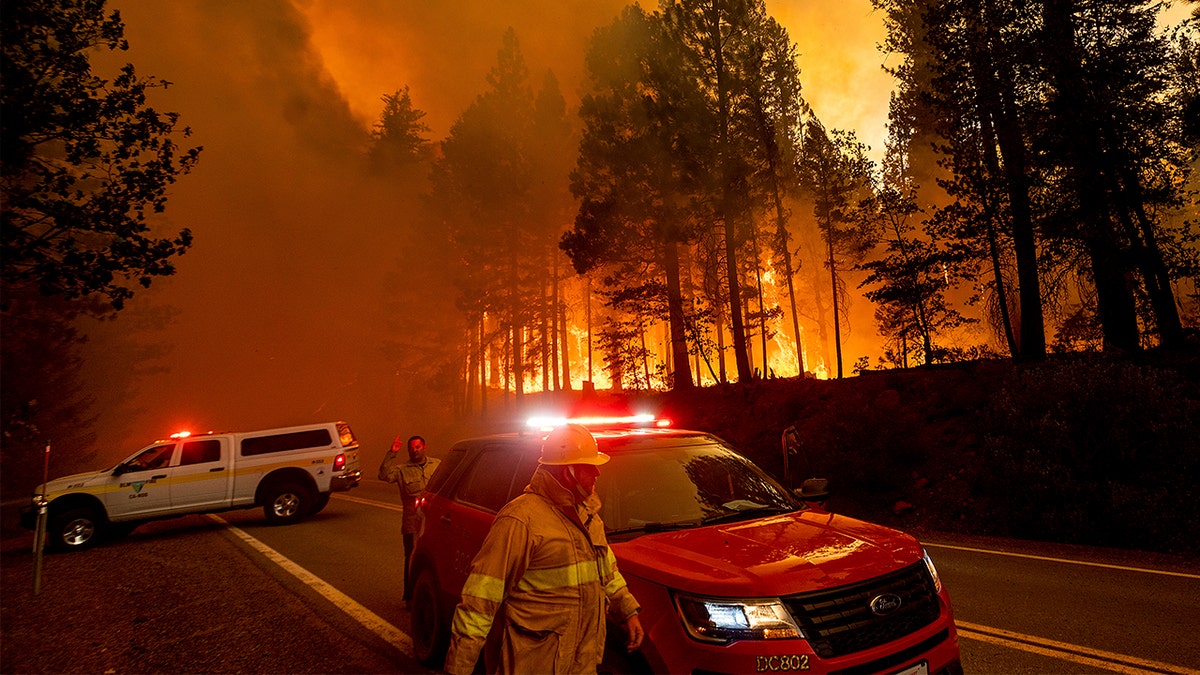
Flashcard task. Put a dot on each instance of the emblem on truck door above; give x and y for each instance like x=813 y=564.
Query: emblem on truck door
x=886 y=603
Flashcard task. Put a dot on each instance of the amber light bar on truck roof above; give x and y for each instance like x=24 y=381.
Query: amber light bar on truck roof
x=642 y=419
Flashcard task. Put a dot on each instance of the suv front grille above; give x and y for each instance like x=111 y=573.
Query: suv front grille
x=840 y=621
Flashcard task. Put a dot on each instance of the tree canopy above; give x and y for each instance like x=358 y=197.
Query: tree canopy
x=84 y=161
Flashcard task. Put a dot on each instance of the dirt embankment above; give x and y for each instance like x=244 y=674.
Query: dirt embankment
x=1080 y=450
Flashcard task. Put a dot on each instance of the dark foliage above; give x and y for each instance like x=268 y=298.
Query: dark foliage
x=1085 y=450
x=83 y=160
x=84 y=165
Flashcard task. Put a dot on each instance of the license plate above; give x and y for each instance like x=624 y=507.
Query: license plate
x=921 y=668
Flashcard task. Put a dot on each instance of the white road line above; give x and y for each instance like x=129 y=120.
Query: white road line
x=372 y=621
x=1064 y=560
x=369 y=502
x=1093 y=658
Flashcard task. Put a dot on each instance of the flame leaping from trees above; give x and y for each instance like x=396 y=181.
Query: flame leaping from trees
x=717 y=229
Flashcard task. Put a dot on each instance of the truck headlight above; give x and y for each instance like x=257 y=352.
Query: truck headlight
x=723 y=620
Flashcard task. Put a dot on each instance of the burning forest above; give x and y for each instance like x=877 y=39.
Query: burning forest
x=404 y=215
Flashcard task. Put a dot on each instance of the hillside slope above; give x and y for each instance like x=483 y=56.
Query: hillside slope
x=1082 y=450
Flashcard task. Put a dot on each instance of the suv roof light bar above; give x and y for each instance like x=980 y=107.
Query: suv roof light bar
x=639 y=419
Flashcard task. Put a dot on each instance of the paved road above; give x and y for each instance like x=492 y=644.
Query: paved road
x=1024 y=609
x=1021 y=608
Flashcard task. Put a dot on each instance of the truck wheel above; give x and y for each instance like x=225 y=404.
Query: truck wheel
x=321 y=502
x=430 y=625
x=286 y=503
x=74 y=529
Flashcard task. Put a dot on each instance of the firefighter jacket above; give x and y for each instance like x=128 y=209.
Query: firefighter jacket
x=546 y=572
x=412 y=479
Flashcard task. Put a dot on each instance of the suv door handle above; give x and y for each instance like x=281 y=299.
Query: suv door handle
x=161 y=475
x=219 y=468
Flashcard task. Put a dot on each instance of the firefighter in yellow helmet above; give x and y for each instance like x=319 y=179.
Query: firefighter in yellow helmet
x=547 y=570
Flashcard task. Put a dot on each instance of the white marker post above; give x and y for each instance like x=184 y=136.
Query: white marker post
x=39 y=534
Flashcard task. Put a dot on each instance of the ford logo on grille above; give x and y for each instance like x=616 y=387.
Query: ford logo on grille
x=886 y=603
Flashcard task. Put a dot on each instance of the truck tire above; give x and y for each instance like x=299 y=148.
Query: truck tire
x=430 y=625
x=286 y=503
x=319 y=503
x=74 y=529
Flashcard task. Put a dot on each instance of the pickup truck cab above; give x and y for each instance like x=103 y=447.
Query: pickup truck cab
x=289 y=472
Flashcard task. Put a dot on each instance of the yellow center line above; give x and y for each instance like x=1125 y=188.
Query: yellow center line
x=1064 y=560
x=1086 y=656
x=372 y=621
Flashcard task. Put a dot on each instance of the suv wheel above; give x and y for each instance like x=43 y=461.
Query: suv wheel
x=430 y=626
x=286 y=503
x=74 y=530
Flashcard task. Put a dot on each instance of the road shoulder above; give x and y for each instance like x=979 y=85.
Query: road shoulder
x=176 y=596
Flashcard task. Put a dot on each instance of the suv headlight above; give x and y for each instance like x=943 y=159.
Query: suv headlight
x=723 y=620
x=937 y=581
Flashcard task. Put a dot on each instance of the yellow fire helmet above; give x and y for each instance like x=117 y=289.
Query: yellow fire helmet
x=571 y=444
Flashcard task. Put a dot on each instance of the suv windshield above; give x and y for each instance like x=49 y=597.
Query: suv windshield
x=657 y=486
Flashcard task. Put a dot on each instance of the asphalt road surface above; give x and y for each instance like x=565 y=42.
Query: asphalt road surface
x=1020 y=607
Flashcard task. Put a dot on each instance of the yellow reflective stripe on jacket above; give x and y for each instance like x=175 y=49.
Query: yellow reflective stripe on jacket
x=485 y=587
x=614 y=585
x=567 y=576
x=610 y=575
x=471 y=624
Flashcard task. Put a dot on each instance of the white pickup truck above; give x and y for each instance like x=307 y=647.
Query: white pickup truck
x=289 y=472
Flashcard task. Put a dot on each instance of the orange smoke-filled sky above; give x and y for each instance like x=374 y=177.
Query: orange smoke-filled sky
x=277 y=314
x=372 y=47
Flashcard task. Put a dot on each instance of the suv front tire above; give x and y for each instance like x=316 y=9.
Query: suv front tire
x=430 y=624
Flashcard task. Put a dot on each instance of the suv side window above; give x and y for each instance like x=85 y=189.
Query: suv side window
x=525 y=469
x=487 y=481
x=445 y=469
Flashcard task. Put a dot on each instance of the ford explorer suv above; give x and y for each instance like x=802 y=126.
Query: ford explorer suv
x=289 y=472
x=735 y=574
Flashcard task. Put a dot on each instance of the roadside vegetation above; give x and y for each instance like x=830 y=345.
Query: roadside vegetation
x=1084 y=449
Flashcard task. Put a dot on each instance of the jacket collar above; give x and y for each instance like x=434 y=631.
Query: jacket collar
x=547 y=487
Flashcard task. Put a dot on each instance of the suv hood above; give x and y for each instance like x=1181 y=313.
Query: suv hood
x=768 y=557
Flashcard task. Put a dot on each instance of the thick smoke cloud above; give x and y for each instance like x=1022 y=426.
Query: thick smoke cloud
x=278 y=314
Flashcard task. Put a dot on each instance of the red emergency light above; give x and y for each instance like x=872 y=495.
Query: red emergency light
x=641 y=419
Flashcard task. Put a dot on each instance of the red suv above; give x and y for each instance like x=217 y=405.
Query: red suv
x=734 y=573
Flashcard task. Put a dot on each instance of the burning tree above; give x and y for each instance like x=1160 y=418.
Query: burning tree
x=637 y=170
x=503 y=225
x=835 y=171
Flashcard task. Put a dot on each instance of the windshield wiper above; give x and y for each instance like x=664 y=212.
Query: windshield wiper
x=745 y=514
x=655 y=527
